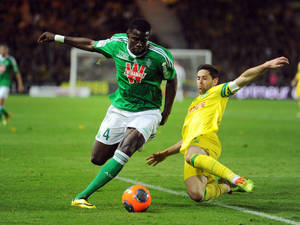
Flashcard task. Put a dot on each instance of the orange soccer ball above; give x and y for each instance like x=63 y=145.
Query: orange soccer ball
x=136 y=198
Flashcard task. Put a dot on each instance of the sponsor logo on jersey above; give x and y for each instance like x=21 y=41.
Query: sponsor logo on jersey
x=198 y=106
x=136 y=73
x=123 y=55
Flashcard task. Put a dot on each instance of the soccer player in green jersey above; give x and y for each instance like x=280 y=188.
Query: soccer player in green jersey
x=134 y=114
x=8 y=66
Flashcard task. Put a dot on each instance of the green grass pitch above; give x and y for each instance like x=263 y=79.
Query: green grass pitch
x=45 y=152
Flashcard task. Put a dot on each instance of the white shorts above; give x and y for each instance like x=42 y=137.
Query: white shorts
x=116 y=121
x=4 y=91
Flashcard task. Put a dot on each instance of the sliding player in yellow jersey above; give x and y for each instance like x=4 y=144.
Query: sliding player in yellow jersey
x=200 y=144
x=296 y=82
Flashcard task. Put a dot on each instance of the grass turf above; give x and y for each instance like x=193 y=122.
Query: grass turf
x=45 y=151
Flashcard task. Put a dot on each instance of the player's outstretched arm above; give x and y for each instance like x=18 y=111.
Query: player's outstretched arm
x=254 y=72
x=78 y=42
x=158 y=157
x=169 y=99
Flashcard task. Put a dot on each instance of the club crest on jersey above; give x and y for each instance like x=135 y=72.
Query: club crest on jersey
x=148 y=63
x=135 y=73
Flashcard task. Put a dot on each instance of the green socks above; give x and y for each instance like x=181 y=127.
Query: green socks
x=3 y=111
x=106 y=173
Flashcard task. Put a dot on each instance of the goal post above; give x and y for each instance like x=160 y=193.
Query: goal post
x=190 y=59
x=93 y=70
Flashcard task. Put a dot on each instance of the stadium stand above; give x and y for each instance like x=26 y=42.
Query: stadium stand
x=23 y=21
x=239 y=33
x=242 y=33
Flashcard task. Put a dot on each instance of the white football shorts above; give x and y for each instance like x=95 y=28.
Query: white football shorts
x=4 y=91
x=116 y=121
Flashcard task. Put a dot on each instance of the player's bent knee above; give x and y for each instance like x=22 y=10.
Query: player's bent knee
x=96 y=161
x=195 y=196
x=132 y=141
x=188 y=159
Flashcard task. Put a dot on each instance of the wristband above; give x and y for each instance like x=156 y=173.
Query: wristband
x=233 y=86
x=59 y=38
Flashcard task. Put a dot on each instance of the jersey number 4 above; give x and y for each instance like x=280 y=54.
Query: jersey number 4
x=106 y=134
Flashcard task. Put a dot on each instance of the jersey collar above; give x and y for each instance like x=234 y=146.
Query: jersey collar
x=136 y=56
x=3 y=57
x=204 y=95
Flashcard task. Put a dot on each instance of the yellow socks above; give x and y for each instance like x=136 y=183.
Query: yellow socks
x=214 y=191
x=212 y=166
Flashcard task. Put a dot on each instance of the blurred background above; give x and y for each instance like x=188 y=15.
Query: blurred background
x=239 y=33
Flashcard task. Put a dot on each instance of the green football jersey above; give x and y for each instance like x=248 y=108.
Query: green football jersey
x=138 y=77
x=7 y=66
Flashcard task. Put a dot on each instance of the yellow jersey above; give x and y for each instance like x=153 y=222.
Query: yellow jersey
x=298 y=82
x=205 y=114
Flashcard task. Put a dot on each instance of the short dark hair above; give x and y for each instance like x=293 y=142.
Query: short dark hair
x=210 y=68
x=139 y=24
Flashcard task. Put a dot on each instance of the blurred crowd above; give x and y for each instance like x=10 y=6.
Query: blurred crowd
x=22 y=21
x=244 y=33
x=239 y=33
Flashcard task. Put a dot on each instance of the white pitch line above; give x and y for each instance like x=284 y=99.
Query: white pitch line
x=277 y=218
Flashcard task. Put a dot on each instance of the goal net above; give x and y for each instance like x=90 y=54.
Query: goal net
x=93 y=70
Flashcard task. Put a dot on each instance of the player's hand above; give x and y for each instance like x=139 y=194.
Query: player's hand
x=46 y=37
x=164 y=118
x=155 y=158
x=277 y=62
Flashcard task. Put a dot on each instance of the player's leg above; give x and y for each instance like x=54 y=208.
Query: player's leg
x=298 y=98
x=195 y=187
x=298 y=114
x=102 y=152
x=197 y=159
x=2 y=100
x=139 y=130
x=4 y=115
x=199 y=183
x=132 y=141
x=198 y=189
x=109 y=135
